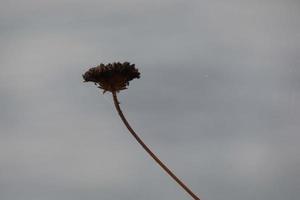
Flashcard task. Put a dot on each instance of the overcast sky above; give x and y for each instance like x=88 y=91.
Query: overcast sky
x=218 y=99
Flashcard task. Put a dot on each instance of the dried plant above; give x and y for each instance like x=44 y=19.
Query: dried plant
x=114 y=77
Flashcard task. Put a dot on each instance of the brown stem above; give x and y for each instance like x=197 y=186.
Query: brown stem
x=158 y=161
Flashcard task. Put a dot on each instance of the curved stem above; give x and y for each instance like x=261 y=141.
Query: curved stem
x=157 y=160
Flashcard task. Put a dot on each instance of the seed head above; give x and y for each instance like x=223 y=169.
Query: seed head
x=112 y=76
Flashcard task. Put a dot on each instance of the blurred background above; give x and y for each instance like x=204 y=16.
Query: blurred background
x=218 y=99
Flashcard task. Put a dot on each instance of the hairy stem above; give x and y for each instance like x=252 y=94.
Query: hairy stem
x=145 y=147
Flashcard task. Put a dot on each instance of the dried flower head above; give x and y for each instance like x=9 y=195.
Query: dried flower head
x=112 y=77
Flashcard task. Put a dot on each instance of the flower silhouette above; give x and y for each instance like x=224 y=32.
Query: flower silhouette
x=113 y=76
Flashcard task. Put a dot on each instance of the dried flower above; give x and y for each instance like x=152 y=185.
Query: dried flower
x=112 y=77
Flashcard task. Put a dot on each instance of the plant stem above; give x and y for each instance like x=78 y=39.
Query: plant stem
x=145 y=147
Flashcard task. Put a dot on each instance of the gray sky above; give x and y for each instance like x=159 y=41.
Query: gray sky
x=218 y=99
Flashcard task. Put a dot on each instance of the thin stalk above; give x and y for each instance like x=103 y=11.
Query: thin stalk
x=145 y=147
